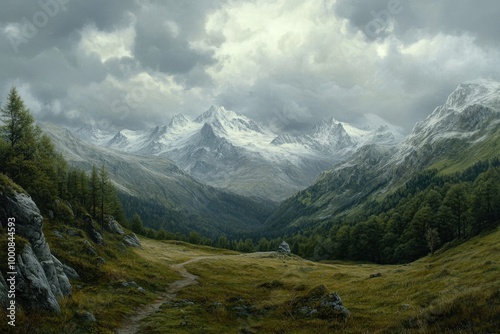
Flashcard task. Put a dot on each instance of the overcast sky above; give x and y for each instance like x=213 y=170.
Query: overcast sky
x=285 y=63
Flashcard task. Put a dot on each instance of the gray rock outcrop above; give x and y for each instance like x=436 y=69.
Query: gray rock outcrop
x=41 y=277
x=33 y=286
x=3 y=292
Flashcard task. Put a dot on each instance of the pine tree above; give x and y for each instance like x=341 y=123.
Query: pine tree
x=27 y=157
x=18 y=129
x=136 y=224
x=19 y=133
x=94 y=190
x=103 y=185
x=456 y=199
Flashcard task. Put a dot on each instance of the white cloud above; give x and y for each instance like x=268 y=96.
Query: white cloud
x=115 y=44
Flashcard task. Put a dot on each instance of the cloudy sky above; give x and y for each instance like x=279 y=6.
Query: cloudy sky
x=286 y=63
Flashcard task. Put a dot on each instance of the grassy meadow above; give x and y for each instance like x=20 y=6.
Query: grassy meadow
x=455 y=291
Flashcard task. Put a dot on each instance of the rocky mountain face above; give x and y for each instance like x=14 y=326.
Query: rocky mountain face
x=41 y=278
x=462 y=131
x=231 y=151
x=155 y=184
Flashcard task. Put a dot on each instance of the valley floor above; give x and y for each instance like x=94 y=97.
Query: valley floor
x=455 y=291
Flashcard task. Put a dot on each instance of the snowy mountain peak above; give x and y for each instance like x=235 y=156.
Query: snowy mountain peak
x=119 y=140
x=179 y=120
x=215 y=113
x=481 y=91
x=468 y=109
x=326 y=126
x=227 y=122
x=92 y=133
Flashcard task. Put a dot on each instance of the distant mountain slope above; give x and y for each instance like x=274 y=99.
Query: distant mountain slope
x=231 y=151
x=464 y=130
x=156 y=184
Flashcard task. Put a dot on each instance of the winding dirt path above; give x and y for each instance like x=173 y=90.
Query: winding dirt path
x=131 y=326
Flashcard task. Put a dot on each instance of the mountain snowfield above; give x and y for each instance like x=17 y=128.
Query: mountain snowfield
x=462 y=131
x=231 y=151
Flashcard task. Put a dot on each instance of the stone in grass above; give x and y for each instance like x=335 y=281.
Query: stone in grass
x=330 y=306
x=319 y=303
x=132 y=240
x=284 y=248
x=85 y=316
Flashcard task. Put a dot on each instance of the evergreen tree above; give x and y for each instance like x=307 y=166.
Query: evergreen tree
x=136 y=224
x=456 y=199
x=222 y=242
x=18 y=129
x=27 y=157
x=94 y=190
x=103 y=186
x=194 y=238
x=263 y=245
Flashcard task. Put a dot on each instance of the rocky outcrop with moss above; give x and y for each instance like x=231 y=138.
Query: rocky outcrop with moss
x=41 y=278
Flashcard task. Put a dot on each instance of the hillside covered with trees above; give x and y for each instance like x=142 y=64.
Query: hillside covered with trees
x=31 y=161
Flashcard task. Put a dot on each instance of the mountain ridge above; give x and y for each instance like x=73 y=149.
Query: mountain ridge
x=213 y=146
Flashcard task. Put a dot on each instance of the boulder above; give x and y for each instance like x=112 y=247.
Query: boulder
x=89 y=247
x=92 y=232
x=85 y=316
x=132 y=240
x=284 y=248
x=111 y=225
x=330 y=306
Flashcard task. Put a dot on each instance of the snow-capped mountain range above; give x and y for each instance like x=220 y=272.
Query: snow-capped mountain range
x=457 y=134
x=228 y=150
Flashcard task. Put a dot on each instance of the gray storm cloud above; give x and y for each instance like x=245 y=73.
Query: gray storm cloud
x=284 y=63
